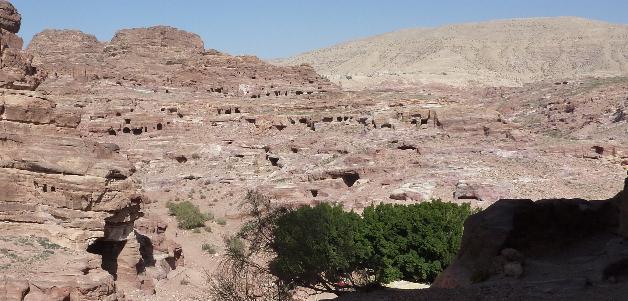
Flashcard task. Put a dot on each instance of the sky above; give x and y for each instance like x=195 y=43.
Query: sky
x=283 y=28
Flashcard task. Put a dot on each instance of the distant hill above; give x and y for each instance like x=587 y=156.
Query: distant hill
x=502 y=52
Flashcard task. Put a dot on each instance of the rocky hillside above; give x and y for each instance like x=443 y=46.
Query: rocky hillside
x=165 y=57
x=505 y=52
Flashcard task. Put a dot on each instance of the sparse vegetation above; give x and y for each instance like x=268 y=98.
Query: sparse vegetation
x=221 y=221
x=188 y=215
x=240 y=277
x=209 y=248
x=235 y=246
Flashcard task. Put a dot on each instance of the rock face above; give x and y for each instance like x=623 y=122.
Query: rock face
x=16 y=71
x=63 y=50
x=10 y=18
x=557 y=239
x=70 y=191
x=162 y=56
x=77 y=194
x=67 y=204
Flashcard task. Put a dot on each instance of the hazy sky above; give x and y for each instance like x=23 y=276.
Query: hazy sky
x=280 y=28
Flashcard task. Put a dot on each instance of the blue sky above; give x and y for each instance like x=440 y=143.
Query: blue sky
x=280 y=28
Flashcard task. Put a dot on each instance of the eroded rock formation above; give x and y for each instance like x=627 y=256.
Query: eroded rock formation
x=160 y=57
x=566 y=244
x=67 y=204
x=16 y=71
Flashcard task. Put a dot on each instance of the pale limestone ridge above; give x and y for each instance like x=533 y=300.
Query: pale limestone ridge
x=501 y=52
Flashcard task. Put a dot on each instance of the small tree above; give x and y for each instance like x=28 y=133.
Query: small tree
x=243 y=274
x=323 y=248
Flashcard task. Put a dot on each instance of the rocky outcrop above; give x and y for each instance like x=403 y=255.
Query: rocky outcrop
x=76 y=53
x=78 y=195
x=81 y=184
x=160 y=255
x=10 y=18
x=73 y=192
x=67 y=201
x=163 y=56
x=16 y=71
x=554 y=240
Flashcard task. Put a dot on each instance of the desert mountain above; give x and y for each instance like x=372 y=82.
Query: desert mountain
x=503 y=52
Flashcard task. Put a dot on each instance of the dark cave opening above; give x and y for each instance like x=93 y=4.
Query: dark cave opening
x=274 y=161
x=109 y=252
x=350 y=178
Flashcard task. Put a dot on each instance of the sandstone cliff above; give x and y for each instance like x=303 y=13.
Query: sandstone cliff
x=163 y=56
x=16 y=71
x=68 y=206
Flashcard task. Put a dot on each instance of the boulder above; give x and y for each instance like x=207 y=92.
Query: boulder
x=510 y=230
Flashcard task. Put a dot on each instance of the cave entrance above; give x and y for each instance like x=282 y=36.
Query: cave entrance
x=274 y=161
x=109 y=252
x=350 y=178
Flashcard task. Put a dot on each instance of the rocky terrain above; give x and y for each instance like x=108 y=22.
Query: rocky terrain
x=498 y=53
x=97 y=136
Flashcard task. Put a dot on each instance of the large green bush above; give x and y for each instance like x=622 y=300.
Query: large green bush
x=319 y=245
x=328 y=249
x=414 y=242
x=188 y=215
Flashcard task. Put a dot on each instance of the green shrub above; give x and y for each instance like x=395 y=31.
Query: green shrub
x=319 y=245
x=235 y=247
x=326 y=248
x=209 y=248
x=221 y=221
x=188 y=215
x=414 y=242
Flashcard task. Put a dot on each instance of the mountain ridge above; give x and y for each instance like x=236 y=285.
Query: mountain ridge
x=506 y=52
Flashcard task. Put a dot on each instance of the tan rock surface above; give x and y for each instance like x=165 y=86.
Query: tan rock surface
x=503 y=52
